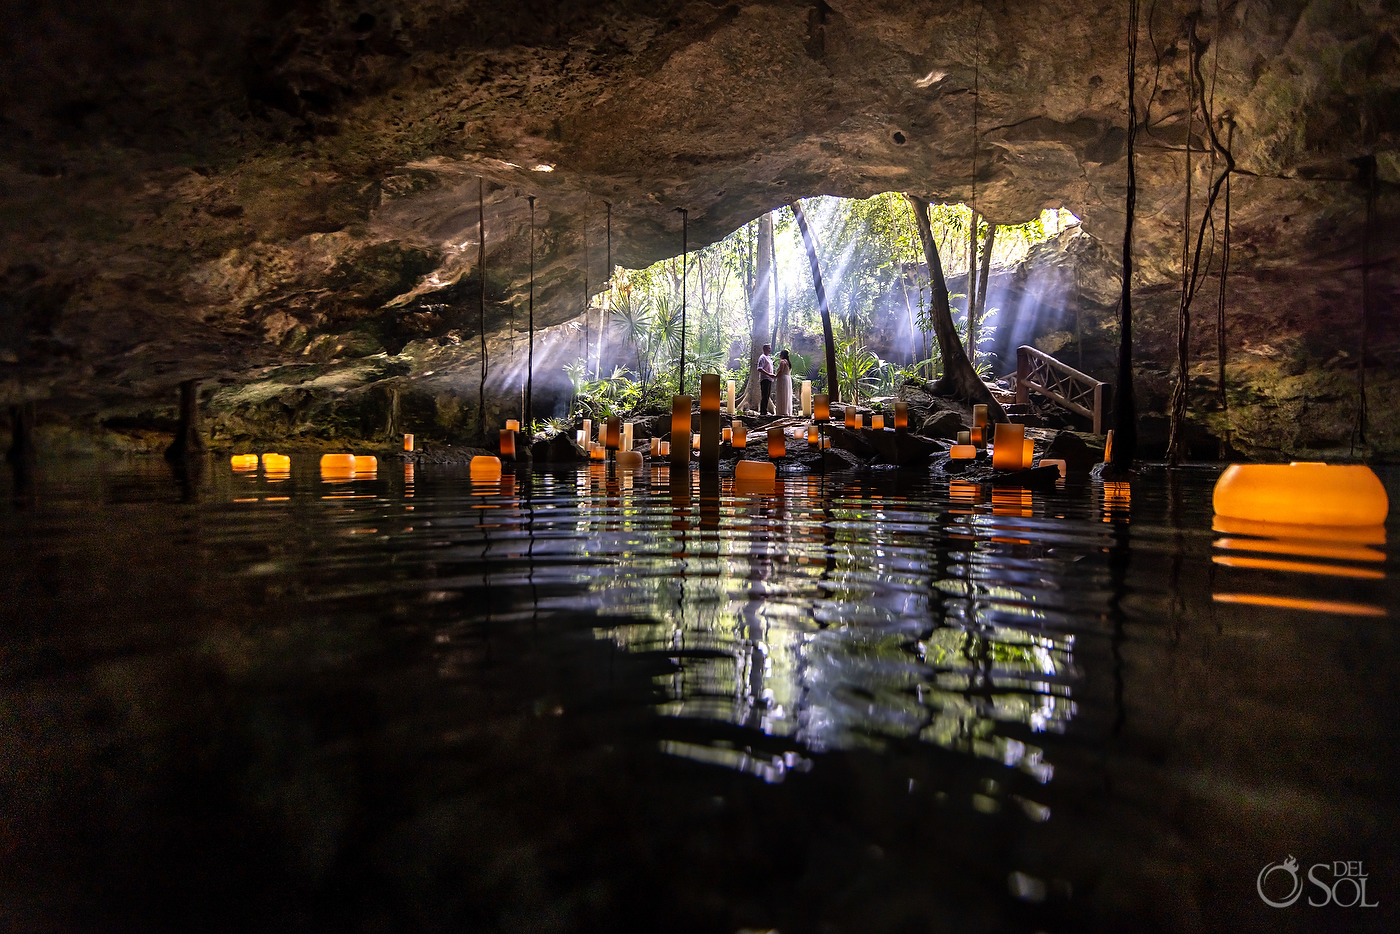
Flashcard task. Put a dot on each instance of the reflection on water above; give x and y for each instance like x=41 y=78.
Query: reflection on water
x=398 y=699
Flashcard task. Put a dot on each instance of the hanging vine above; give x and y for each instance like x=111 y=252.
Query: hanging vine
x=1192 y=272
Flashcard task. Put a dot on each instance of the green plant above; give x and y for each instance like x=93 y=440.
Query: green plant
x=854 y=366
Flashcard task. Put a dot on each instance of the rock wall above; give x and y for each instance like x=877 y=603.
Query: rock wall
x=224 y=190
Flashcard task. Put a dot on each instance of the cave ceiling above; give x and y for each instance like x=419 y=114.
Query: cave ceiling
x=202 y=189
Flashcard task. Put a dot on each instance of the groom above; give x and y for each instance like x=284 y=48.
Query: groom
x=765 y=378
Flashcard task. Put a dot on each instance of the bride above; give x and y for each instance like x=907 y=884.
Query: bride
x=783 y=389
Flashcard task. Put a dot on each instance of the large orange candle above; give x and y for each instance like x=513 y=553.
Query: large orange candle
x=1009 y=446
x=507 y=443
x=709 y=420
x=821 y=407
x=777 y=446
x=512 y=424
x=962 y=452
x=408 y=442
x=244 y=461
x=740 y=434
x=485 y=468
x=877 y=422
x=680 y=430
x=901 y=416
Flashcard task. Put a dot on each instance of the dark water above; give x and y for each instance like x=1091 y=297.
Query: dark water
x=573 y=702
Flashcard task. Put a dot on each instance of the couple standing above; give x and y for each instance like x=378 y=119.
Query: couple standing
x=766 y=378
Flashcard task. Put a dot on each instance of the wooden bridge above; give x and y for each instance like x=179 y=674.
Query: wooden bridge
x=1062 y=384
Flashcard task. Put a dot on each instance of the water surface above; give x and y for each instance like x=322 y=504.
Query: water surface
x=577 y=701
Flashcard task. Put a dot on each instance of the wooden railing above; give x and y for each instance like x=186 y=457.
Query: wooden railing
x=1062 y=384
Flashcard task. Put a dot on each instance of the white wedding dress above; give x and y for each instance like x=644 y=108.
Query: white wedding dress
x=782 y=388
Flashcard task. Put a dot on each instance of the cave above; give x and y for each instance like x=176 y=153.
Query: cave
x=891 y=691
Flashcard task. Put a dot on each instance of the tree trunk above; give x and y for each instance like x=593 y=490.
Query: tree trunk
x=958 y=381
x=974 y=320
x=760 y=307
x=809 y=240
x=1124 y=405
x=971 y=279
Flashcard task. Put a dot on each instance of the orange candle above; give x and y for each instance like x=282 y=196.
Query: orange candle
x=244 y=461
x=485 y=468
x=727 y=435
x=1009 y=446
x=408 y=442
x=962 y=452
x=877 y=422
x=812 y=434
x=512 y=424
x=751 y=471
x=740 y=434
x=1028 y=457
x=655 y=447
x=777 y=445
x=507 y=442
x=901 y=416
x=821 y=407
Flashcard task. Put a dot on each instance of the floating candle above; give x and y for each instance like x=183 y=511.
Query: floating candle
x=337 y=466
x=408 y=442
x=628 y=460
x=277 y=463
x=366 y=464
x=755 y=471
x=1302 y=493
x=244 y=462
x=962 y=452
x=485 y=468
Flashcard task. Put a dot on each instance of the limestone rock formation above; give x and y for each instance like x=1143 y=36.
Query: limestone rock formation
x=242 y=193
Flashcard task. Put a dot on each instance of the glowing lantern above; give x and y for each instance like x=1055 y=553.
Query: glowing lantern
x=408 y=442
x=758 y=471
x=1028 y=453
x=962 y=452
x=680 y=429
x=807 y=398
x=1302 y=493
x=709 y=420
x=901 y=416
x=485 y=468
x=821 y=407
x=277 y=463
x=812 y=433
x=628 y=460
x=877 y=422
x=507 y=442
x=979 y=416
x=366 y=464
x=726 y=436
x=244 y=461
x=1009 y=446
x=337 y=466
x=512 y=424
x=740 y=434
x=777 y=446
